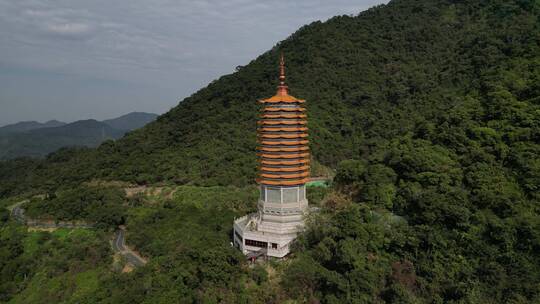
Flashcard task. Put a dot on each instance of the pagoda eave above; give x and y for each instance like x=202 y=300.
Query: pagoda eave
x=289 y=116
x=298 y=149
x=279 y=109
x=284 y=169
x=296 y=182
x=285 y=143
x=284 y=136
x=280 y=162
x=284 y=156
x=274 y=129
x=280 y=99
x=281 y=122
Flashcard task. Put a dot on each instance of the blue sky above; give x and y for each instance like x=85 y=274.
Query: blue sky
x=73 y=59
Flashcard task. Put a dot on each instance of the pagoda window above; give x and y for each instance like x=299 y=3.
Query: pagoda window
x=263 y=193
x=290 y=195
x=302 y=193
x=273 y=195
x=254 y=243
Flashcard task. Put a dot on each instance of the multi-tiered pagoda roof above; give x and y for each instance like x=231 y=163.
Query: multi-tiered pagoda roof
x=283 y=138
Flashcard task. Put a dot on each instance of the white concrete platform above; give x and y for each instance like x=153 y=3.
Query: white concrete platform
x=272 y=228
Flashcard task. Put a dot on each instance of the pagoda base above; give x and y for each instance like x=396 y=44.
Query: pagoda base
x=255 y=236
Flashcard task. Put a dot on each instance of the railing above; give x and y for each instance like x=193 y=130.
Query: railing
x=241 y=218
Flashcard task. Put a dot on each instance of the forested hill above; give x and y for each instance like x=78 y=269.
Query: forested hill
x=456 y=80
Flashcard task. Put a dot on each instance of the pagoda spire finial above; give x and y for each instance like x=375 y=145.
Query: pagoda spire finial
x=282 y=88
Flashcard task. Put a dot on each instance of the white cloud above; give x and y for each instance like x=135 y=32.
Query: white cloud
x=69 y=29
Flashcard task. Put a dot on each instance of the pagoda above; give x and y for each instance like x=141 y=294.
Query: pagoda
x=283 y=154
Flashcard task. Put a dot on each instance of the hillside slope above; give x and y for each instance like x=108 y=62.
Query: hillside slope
x=131 y=121
x=42 y=141
x=438 y=70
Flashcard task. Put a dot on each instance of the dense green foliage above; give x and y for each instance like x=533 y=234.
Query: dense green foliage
x=419 y=238
x=102 y=206
x=187 y=238
x=42 y=267
x=429 y=111
x=446 y=71
x=359 y=252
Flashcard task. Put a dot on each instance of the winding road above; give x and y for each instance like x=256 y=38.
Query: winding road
x=17 y=212
x=119 y=245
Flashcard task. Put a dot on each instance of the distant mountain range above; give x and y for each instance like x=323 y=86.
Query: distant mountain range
x=35 y=139
x=24 y=126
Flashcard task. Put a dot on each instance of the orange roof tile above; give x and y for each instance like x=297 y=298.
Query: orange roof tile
x=278 y=162
x=298 y=116
x=282 y=182
x=282 y=98
x=270 y=129
x=284 y=156
x=301 y=135
x=280 y=109
x=285 y=143
x=295 y=149
x=285 y=176
x=286 y=169
x=281 y=122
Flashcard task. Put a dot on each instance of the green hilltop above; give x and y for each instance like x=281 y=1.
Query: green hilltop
x=441 y=71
